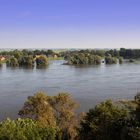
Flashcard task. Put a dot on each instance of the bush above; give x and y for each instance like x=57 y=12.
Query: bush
x=25 y=129
x=42 y=61
x=83 y=58
x=110 y=60
x=56 y=111
x=120 y=60
x=27 y=61
x=12 y=61
x=104 y=122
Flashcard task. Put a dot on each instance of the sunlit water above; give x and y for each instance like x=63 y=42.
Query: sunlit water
x=88 y=85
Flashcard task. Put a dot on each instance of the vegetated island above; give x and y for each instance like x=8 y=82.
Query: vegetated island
x=28 y=58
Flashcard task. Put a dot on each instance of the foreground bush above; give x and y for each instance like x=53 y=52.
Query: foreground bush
x=25 y=129
x=104 y=122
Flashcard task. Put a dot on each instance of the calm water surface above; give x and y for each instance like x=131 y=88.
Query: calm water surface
x=87 y=84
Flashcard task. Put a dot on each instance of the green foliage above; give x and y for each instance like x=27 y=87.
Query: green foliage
x=56 y=111
x=38 y=108
x=137 y=111
x=53 y=118
x=64 y=110
x=25 y=129
x=113 y=53
x=83 y=58
x=12 y=61
x=26 y=60
x=42 y=61
x=17 y=54
x=129 y=53
x=57 y=58
x=120 y=60
x=104 y=122
x=110 y=60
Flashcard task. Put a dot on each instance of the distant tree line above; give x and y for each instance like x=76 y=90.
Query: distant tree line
x=46 y=117
x=73 y=57
x=27 y=58
x=125 y=53
x=29 y=52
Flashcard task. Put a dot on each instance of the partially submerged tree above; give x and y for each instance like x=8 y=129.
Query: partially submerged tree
x=83 y=58
x=110 y=60
x=42 y=61
x=120 y=60
x=27 y=61
x=12 y=61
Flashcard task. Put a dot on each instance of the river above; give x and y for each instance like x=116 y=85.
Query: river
x=88 y=85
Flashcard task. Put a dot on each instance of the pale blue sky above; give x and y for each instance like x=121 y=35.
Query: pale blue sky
x=69 y=23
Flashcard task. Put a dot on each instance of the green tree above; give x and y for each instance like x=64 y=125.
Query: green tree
x=110 y=60
x=64 y=107
x=27 y=61
x=137 y=110
x=83 y=58
x=56 y=111
x=12 y=61
x=17 y=54
x=42 y=61
x=38 y=108
x=120 y=60
x=104 y=122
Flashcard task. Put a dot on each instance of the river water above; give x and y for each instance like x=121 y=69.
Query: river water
x=88 y=85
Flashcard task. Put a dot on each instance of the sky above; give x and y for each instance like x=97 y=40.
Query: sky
x=69 y=24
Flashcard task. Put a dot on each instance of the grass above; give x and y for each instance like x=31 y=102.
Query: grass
x=58 y=58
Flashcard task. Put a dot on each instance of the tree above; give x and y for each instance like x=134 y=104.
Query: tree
x=56 y=111
x=64 y=107
x=42 y=61
x=17 y=54
x=27 y=61
x=12 y=61
x=38 y=108
x=83 y=58
x=120 y=60
x=137 y=110
x=104 y=122
x=110 y=60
